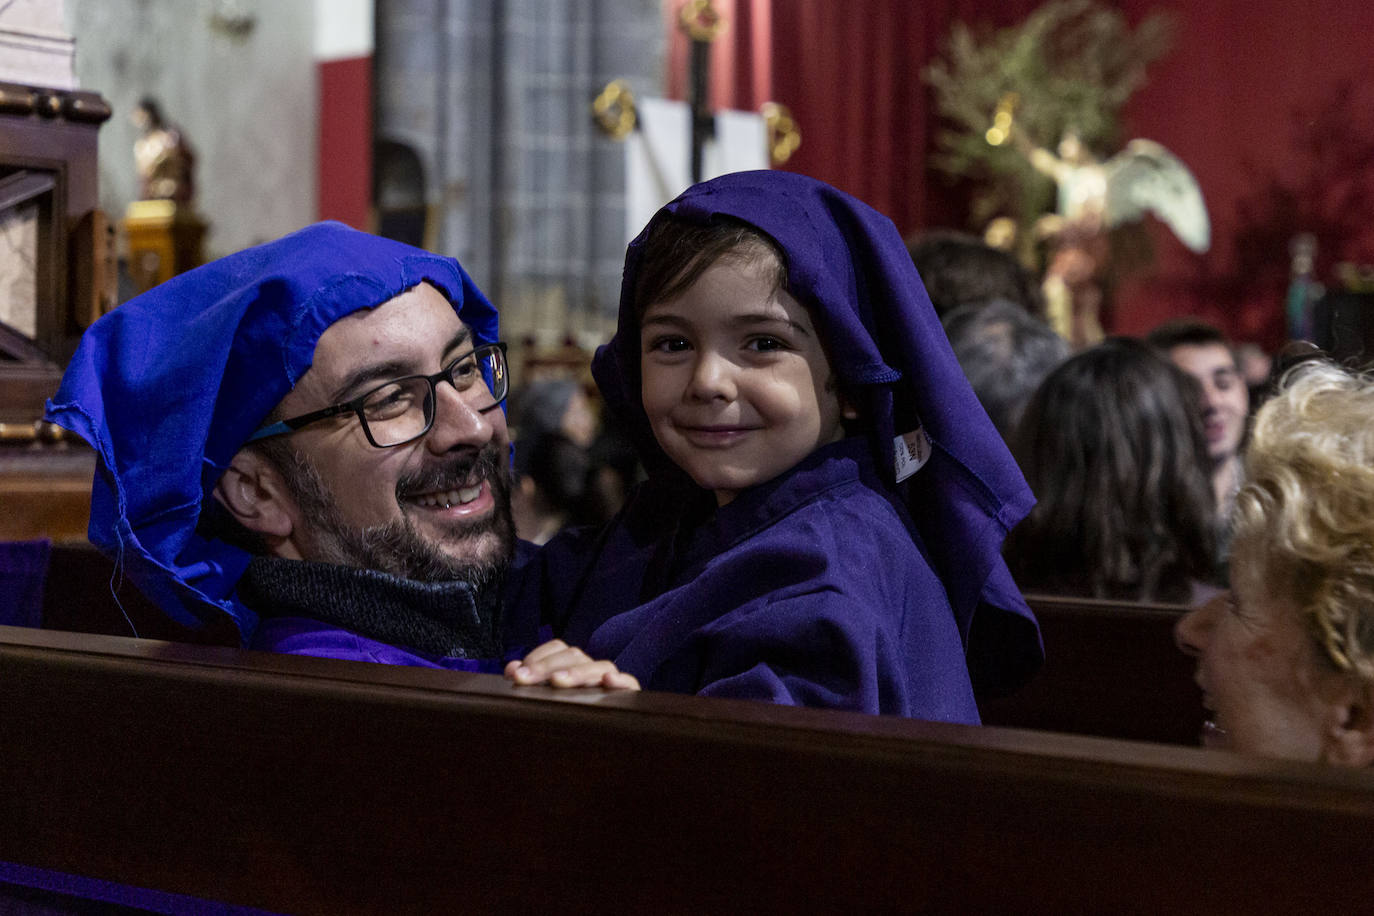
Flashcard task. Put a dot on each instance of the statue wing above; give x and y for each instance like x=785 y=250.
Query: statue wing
x=1147 y=177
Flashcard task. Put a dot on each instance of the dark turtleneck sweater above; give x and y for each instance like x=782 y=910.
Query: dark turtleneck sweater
x=438 y=619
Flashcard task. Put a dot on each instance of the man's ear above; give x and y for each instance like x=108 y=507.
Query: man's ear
x=1349 y=738
x=256 y=495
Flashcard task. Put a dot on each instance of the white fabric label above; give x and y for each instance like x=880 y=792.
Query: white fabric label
x=912 y=451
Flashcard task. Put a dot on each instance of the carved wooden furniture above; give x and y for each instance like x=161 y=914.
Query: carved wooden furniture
x=48 y=161
x=60 y=279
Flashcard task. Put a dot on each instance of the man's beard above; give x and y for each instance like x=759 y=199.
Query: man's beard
x=396 y=547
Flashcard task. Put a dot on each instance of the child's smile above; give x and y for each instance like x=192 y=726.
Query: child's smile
x=736 y=384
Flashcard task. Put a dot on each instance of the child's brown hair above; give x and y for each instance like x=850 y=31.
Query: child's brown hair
x=677 y=253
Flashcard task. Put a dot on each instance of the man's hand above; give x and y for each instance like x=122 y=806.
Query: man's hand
x=560 y=665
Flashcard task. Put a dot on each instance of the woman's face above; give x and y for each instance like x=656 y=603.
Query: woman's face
x=1266 y=689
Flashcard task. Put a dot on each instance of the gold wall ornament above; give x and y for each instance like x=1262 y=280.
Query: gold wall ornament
x=784 y=136
x=700 y=20
x=614 y=110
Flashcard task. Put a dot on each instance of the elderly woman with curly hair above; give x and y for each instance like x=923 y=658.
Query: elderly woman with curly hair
x=1286 y=659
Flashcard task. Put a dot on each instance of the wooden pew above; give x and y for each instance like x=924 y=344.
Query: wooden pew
x=1111 y=670
x=318 y=786
x=84 y=594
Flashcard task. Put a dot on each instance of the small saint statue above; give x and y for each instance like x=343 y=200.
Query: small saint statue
x=162 y=156
x=164 y=233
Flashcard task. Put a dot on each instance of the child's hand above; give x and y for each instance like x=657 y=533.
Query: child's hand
x=560 y=665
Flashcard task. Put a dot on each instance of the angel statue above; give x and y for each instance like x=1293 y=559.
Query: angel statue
x=1093 y=198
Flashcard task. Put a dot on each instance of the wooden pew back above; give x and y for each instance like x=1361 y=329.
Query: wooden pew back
x=319 y=786
x=84 y=593
x=1111 y=669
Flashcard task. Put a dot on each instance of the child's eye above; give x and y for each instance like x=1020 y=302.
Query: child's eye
x=765 y=344
x=669 y=344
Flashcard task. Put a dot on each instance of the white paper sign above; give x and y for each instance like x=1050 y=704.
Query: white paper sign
x=658 y=155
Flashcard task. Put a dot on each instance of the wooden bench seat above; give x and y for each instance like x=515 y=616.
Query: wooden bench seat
x=320 y=786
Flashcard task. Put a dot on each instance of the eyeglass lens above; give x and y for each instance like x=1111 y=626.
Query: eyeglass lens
x=404 y=409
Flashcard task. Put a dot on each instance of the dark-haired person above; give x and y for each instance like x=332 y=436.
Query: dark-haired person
x=305 y=440
x=1112 y=447
x=1286 y=658
x=1203 y=352
x=1006 y=352
x=961 y=270
x=555 y=428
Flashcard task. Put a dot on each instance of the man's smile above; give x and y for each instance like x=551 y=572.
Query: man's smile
x=449 y=498
x=461 y=490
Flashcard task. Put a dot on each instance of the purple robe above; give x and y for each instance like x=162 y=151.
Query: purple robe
x=304 y=636
x=812 y=589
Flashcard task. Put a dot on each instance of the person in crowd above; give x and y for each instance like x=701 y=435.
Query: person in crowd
x=774 y=342
x=615 y=471
x=959 y=269
x=1285 y=659
x=306 y=439
x=1112 y=445
x=1203 y=352
x=1006 y=352
x=1256 y=366
x=555 y=428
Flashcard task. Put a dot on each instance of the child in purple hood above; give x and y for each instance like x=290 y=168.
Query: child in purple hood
x=826 y=500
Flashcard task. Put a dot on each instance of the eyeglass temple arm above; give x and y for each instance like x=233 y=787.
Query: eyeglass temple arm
x=282 y=427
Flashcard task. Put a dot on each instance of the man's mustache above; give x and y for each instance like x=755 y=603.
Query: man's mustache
x=483 y=464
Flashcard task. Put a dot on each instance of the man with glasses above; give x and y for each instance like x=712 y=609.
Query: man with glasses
x=307 y=438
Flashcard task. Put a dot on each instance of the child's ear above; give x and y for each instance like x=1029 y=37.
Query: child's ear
x=848 y=411
x=256 y=495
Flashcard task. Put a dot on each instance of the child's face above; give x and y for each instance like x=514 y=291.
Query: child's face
x=736 y=383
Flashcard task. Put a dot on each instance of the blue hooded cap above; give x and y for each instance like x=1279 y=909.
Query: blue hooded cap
x=848 y=264
x=170 y=385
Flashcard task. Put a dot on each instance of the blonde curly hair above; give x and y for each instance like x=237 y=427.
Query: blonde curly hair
x=1306 y=510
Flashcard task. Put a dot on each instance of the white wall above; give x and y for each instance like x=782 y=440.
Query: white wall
x=36 y=50
x=247 y=101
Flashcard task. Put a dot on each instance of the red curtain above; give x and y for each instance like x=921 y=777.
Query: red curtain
x=1270 y=105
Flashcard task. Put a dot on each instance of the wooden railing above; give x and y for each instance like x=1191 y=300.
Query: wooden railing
x=1111 y=669
x=311 y=785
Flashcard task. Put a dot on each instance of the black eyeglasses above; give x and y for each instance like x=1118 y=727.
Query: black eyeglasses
x=402 y=410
